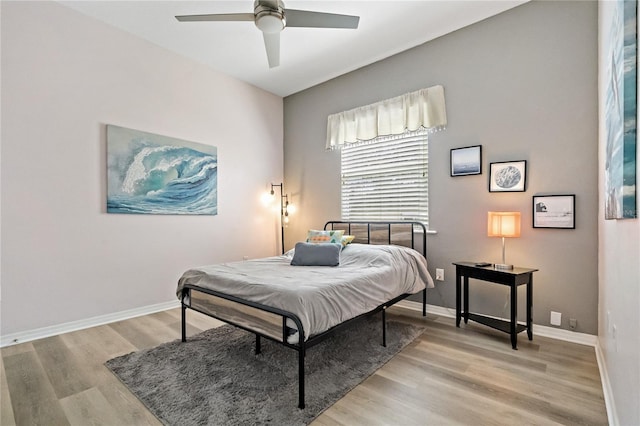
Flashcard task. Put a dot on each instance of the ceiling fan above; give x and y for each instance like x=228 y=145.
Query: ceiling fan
x=271 y=18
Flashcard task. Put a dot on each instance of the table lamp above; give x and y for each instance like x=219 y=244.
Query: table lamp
x=503 y=224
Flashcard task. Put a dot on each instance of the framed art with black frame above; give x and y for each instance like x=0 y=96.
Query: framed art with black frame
x=554 y=211
x=508 y=176
x=466 y=161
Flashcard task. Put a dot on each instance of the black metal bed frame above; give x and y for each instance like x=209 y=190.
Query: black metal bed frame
x=303 y=344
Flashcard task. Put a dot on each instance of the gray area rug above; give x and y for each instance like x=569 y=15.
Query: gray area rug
x=215 y=378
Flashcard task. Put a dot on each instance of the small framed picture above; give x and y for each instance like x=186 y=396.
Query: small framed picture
x=508 y=176
x=466 y=161
x=554 y=211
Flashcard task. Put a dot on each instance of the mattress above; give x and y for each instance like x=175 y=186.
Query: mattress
x=320 y=296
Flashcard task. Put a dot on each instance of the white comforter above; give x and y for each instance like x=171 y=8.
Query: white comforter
x=320 y=296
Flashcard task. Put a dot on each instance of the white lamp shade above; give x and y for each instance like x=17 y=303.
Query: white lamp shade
x=503 y=224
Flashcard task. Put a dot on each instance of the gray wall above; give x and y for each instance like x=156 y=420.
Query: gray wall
x=522 y=84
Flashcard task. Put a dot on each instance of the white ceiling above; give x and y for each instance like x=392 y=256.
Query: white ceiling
x=308 y=56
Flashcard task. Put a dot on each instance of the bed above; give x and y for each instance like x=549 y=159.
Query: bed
x=299 y=306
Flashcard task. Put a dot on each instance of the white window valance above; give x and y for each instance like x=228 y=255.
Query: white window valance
x=423 y=109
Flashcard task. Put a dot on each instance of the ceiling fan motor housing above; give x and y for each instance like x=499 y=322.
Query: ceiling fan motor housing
x=269 y=16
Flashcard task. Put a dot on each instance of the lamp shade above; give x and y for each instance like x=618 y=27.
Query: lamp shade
x=503 y=224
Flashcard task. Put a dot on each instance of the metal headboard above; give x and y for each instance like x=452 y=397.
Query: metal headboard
x=381 y=232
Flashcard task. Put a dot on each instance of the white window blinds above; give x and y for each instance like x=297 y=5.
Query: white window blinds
x=386 y=179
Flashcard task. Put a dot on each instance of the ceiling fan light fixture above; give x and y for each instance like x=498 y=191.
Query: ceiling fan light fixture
x=270 y=22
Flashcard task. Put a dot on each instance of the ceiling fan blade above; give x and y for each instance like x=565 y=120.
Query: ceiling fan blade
x=272 y=44
x=216 y=17
x=305 y=18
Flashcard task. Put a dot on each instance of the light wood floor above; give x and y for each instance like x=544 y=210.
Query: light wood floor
x=448 y=376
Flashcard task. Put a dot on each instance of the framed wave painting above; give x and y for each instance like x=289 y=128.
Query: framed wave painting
x=155 y=174
x=620 y=111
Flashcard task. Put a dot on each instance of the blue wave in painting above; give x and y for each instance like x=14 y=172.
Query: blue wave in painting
x=168 y=180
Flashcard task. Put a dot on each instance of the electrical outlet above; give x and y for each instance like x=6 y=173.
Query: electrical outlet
x=439 y=274
x=573 y=323
x=556 y=318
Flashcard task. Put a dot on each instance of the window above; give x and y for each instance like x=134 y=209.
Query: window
x=386 y=179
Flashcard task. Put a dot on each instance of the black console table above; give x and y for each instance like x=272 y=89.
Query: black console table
x=512 y=278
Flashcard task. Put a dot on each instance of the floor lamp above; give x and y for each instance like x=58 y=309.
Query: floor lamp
x=284 y=209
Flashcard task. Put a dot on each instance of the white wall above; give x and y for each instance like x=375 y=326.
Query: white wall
x=64 y=77
x=619 y=276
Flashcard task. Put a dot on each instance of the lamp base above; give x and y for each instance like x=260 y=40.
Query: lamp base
x=503 y=266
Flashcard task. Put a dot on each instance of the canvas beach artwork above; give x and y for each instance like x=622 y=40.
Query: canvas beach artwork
x=155 y=174
x=620 y=113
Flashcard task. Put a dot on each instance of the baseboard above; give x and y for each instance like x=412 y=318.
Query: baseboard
x=612 y=415
x=538 y=330
x=39 y=333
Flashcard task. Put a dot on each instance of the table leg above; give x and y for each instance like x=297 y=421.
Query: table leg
x=466 y=299
x=458 y=297
x=514 y=316
x=529 y=307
